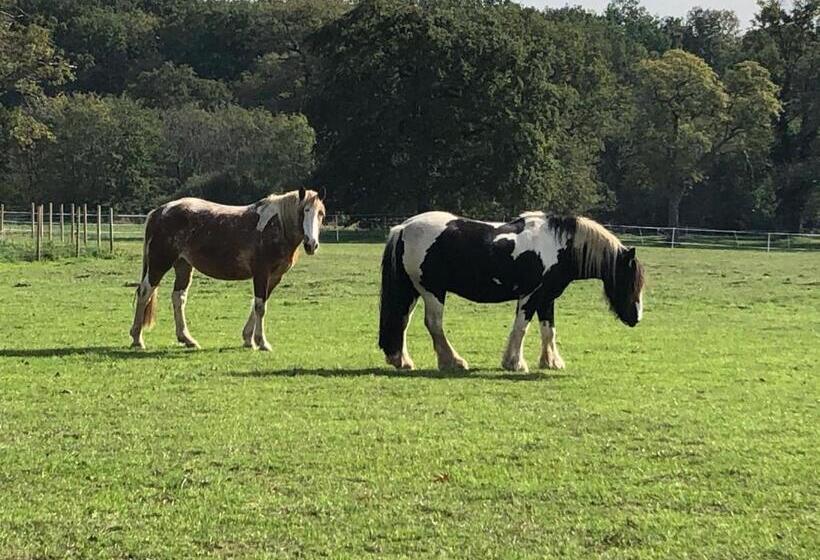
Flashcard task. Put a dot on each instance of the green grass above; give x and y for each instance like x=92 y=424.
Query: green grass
x=693 y=435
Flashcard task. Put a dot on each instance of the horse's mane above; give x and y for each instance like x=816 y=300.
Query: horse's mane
x=289 y=212
x=595 y=248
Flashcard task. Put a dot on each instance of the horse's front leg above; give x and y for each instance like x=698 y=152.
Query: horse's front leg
x=513 y=359
x=550 y=358
x=254 y=331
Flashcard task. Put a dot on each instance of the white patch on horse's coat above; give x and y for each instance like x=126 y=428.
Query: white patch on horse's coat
x=266 y=213
x=535 y=237
x=312 y=223
x=418 y=240
x=640 y=306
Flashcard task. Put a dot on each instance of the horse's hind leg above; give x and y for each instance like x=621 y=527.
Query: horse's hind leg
x=550 y=358
x=144 y=311
x=513 y=358
x=250 y=326
x=184 y=271
x=448 y=358
x=156 y=264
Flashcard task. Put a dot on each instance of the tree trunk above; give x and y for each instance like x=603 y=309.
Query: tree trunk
x=673 y=209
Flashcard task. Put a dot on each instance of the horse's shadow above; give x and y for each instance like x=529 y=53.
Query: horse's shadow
x=125 y=353
x=95 y=351
x=408 y=374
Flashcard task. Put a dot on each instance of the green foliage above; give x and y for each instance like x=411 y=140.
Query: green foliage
x=479 y=106
x=688 y=117
x=172 y=86
x=788 y=44
x=403 y=122
x=102 y=150
x=29 y=64
x=268 y=152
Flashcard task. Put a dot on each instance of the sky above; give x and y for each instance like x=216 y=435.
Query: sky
x=745 y=9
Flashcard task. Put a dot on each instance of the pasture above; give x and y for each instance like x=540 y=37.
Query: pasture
x=693 y=435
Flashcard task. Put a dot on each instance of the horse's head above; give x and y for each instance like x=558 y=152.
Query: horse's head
x=312 y=211
x=624 y=287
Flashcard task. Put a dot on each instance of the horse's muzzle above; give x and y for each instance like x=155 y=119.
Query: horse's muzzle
x=311 y=246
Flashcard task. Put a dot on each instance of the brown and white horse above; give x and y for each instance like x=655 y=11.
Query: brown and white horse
x=259 y=241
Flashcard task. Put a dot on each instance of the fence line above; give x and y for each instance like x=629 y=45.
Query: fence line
x=363 y=227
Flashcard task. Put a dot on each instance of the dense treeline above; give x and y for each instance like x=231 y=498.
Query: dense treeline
x=397 y=106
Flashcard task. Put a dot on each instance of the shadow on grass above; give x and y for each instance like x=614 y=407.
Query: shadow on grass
x=99 y=351
x=419 y=373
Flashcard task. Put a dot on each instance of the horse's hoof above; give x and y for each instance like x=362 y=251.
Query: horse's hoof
x=519 y=365
x=398 y=361
x=249 y=344
x=551 y=362
x=457 y=364
x=191 y=344
x=265 y=346
x=138 y=345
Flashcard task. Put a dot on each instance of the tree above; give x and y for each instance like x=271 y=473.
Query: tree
x=173 y=86
x=29 y=64
x=457 y=104
x=103 y=150
x=687 y=117
x=252 y=151
x=283 y=77
x=713 y=35
x=788 y=44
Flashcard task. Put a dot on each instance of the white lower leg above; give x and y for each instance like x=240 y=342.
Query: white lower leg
x=513 y=359
x=250 y=324
x=550 y=358
x=448 y=358
x=262 y=343
x=144 y=293
x=179 y=299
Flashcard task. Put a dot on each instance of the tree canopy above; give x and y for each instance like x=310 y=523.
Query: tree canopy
x=395 y=106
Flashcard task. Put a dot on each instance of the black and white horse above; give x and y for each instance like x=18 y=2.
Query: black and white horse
x=531 y=259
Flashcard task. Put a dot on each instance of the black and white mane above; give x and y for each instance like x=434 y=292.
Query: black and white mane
x=531 y=259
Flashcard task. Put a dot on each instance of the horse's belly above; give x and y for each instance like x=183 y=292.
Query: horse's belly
x=235 y=267
x=484 y=293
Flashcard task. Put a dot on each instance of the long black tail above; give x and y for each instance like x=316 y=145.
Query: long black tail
x=397 y=297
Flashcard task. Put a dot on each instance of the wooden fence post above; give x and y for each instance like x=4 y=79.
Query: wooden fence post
x=62 y=223
x=99 y=227
x=33 y=221
x=768 y=242
x=2 y=220
x=85 y=224
x=77 y=233
x=38 y=241
x=673 y=238
x=50 y=221
x=111 y=230
x=336 y=226
x=72 y=224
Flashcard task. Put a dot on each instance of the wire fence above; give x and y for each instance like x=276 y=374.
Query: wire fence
x=53 y=231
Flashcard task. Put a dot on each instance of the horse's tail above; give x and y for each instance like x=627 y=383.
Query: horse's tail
x=149 y=317
x=397 y=295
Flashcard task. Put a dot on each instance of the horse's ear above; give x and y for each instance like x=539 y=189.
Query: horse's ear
x=630 y=253
x=323 y=193
x=301 y=194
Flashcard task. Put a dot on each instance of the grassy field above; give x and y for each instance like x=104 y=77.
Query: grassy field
x=694 y=435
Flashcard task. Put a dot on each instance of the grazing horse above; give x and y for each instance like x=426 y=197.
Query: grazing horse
x=259 y=241
x=531 y=259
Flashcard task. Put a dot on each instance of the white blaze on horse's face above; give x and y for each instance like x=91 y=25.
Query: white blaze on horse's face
x=314 y=213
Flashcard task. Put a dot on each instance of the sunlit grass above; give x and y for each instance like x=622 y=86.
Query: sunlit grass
x=693 y=435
